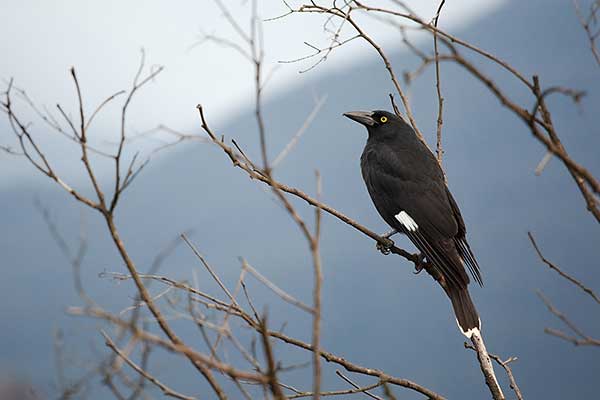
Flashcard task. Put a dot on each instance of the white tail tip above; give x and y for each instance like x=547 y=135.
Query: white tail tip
x=469 y=332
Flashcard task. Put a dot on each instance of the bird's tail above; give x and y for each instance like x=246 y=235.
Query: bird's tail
x=464 y=309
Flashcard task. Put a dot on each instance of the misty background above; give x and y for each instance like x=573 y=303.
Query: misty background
x=376 y=312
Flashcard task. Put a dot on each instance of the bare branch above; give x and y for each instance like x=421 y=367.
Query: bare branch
x=101 y=106
x=580 y=338
x=450 y=38
x=563 y=274
x=167 y=281
x=486 y=366
x=271 y=365
x=346 y=15
x=25 y=139
x=588 y=24
x=208 y=268
x=278 y=291
x=292 y=143
x=504 y=364
x=415 y=258
x=587 y=341
x=438 y=148
x=314 y=242
x=254 y=323
x=196 y=357
x=137 y=84
x=543 y=162
x=83 y=140
x=167 y=391
x=356 y=387
x=364 y=389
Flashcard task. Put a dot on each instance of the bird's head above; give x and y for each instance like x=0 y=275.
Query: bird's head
x=379 y=123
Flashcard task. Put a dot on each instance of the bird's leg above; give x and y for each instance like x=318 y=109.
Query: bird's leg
x=390 y=234
x=385 y=248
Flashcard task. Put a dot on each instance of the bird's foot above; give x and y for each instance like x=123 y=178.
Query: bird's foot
x=385 y=248
x=420 y=264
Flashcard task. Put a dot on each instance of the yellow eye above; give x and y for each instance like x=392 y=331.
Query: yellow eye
x=383 y=119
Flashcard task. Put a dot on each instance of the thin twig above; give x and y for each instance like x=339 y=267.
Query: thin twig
x=356 y=387
x=292 y=143
x=346 y=15
x=208 y=268
x=415 y=258
x=438 y=148
x=364 y=389
x=167 y=391
x=504 y=364
x=276 y=289
x=568 y=277
x=198 y=358
x=329 y=357
x=586 y=24
x=581 y=339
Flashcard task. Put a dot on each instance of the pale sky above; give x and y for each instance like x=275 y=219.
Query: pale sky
x=102 y=39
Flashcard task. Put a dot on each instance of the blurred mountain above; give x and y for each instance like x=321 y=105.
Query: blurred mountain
x=376 y=312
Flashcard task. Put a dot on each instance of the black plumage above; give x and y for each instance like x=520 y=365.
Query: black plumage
x=408 y=189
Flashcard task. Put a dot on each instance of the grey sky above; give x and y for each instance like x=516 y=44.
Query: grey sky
x=103 y=41
x=402 y=321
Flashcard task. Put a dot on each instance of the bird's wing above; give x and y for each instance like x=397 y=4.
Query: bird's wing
x=461 y=242
x=421 y=209
x=435 y=230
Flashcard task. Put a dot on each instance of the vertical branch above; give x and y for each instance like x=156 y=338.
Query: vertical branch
x=83 y=142
x=121 y=183
x=438 y=148
x=271 y=366
x=505 y=365
x=318 y=277
x=394 y=105
x=254 y=42
x=257 y=58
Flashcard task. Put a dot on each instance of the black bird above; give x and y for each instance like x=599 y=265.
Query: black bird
x=408 y=189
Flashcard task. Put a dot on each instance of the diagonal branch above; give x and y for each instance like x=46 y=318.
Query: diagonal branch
x=239 y=162
x=486 y=366
x=167 y=391
x=568 y=277
x=580 y=338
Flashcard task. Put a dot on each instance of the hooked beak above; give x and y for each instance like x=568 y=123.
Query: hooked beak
x=362 y=117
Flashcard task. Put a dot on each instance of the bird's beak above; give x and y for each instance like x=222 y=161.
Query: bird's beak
x=362 y=117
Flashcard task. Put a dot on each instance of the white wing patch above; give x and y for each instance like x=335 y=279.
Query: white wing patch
x=407 y=221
